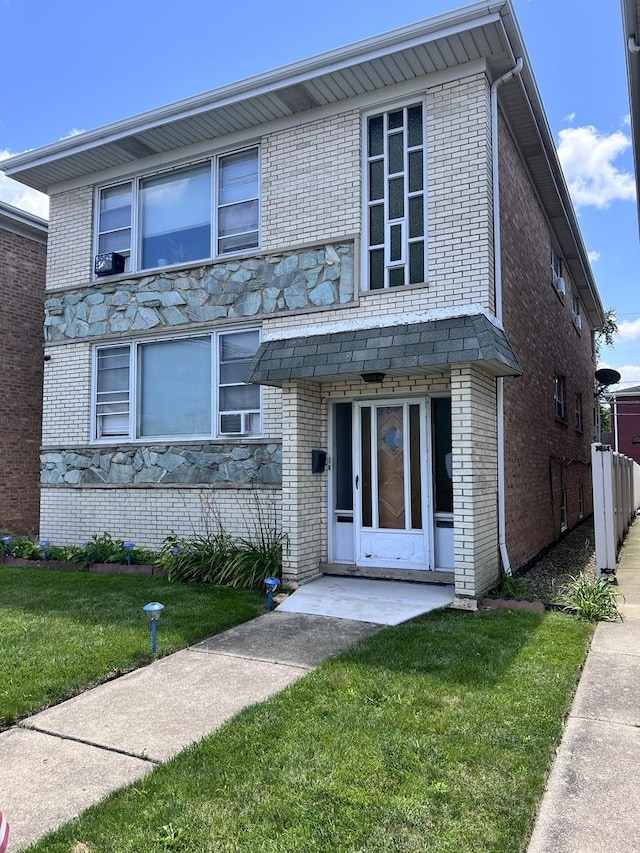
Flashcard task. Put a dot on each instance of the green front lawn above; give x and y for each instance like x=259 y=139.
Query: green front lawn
x=433 y=736
x=62 y=631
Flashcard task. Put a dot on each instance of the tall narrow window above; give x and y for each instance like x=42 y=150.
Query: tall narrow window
x=442 y=446
x=114 y=221
x=395 y=216
x=559 y=397
x=564 y=524
x=112 y=392
x=238 y=192
x=239 y=402
x=578 y=413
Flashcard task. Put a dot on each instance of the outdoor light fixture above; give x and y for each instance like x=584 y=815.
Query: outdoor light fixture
x=44 y=544
x=6 y=542
x=372 y=377
x=128 y=547
x=153 y=611
x=272 y=585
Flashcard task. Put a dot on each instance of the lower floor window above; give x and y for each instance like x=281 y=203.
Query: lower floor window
x=177 y=387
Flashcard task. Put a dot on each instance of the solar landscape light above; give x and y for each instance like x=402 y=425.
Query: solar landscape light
x=128 y=547
x=6 y=544
x=44 y=544
x=272 y=585
x=153 y=611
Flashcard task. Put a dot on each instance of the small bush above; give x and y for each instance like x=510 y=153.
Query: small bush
x=512 y=586
x=591 y=598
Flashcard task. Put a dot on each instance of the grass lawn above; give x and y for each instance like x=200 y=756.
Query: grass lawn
x=61 y=631
x=433 y=736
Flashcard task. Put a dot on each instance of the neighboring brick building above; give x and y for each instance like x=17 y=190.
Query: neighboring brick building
x=23 y=253
x=406 y=296
x=625 y=421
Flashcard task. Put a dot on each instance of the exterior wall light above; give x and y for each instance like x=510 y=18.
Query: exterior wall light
x=372 y=377
x=153 y=611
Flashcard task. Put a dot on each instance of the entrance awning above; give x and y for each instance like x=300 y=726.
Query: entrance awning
x=396 y=350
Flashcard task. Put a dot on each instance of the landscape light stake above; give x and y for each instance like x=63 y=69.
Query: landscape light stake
x=44 y=544
x=153 y=610
x=6 y=542
x=128 y=547
x=272 y=585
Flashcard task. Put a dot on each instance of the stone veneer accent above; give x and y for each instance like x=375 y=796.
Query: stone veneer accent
x=162 y=464
x=319 y=276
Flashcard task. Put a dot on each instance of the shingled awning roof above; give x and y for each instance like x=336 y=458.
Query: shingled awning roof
x=399 y=350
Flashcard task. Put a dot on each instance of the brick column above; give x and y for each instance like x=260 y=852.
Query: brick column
x=304 y=495
x=475 y=479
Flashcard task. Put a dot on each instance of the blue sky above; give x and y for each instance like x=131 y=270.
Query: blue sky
x=76 y=64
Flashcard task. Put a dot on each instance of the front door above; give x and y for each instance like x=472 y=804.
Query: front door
x=390 y=485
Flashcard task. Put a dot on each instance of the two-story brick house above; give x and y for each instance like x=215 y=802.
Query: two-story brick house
x=371 y=255
x=23 y=252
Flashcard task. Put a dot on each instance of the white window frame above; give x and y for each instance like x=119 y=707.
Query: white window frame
x=560 y=397
x=578 y=417
x=556 y=265
x=133 y=253
x=134 y=392
x=367 y=204
x=564 y=514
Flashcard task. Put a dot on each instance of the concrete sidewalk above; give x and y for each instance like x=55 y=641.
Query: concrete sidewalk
x=592 y=801
x=59 y=762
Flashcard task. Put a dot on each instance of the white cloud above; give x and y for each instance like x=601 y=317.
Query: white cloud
x=593 y=256
x=587 y=158
x=629 y=375
x=21 y=196
x=626 y=120
x=570 y=118
x=629 y=330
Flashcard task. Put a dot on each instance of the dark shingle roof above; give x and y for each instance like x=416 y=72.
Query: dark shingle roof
x=405 y=349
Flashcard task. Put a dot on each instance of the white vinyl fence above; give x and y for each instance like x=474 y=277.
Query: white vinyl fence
x=616 y=499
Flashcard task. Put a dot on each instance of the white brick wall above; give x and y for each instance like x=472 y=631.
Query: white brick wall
x=304 y=495
x=67 y=395
x=474 y=445
x=459 y=193
x=311 y=182
x=146 y=516
x=70 y=246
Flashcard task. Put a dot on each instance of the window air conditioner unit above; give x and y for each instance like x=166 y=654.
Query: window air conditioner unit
x=108 y=263
x=233 y=424
x=577 y=321
x=559 y=284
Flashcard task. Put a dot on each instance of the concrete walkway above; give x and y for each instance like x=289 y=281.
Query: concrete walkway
x=59 y=762
x=592 y=802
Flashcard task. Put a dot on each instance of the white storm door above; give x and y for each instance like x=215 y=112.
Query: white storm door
x=390 y=485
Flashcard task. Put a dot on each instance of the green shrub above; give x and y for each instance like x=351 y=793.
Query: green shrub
x=591 y=598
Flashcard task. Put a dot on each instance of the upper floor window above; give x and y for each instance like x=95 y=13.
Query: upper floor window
x=395 y=207
x=556 y=272
x=183 y=215
x=578 y=419
x=575 y=310
x=559 y=395
x=192 y=387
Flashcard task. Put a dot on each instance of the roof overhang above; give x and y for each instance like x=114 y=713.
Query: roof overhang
x=403 y=346
x=485 y=32
x=25 y=224
x=631 y=32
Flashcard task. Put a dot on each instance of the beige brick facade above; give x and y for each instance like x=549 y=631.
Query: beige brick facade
x=147 y=516
x=475 y=484
x=70 y=251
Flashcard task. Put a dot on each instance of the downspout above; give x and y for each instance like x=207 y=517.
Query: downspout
x=631 y=44
x=497 y=267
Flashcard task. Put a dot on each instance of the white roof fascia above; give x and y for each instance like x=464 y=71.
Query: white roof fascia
x=248 y=137
x=25 y=224
x=289 y=75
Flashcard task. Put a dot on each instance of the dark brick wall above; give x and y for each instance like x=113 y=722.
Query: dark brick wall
x=22 y=272
x=543 y=456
